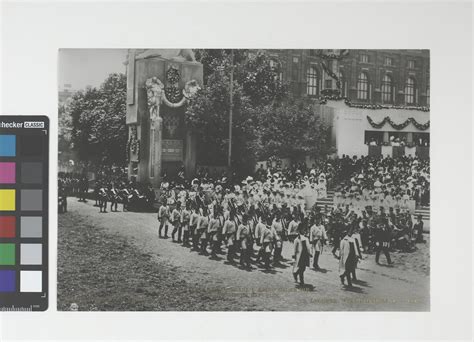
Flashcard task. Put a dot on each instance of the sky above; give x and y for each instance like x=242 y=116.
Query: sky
x=83 y=67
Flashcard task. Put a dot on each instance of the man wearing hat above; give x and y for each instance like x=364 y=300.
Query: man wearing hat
x=382 y=238
x=163 y=215
x=244 y=238
x=418 y=229
x=301 y=254
x=266 y=239
x=175 y=221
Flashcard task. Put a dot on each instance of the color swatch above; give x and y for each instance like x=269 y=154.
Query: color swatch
x=24 y=153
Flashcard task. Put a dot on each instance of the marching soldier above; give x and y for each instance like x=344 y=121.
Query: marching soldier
x=229 y=230
x=244 y=237
x=277 y=227
x=293 y=228
x=113 y=198
x=176 y=222
x=103 y=199
x=382 y=237
x=317 y=238
x=193 y=221
x=301 y=254
x=201 y=229
x=213 y=232
x=266 y=239
x=185 y=218
x=163 y=215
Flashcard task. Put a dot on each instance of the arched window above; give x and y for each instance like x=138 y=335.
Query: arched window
x=363 y=86
x=410 y=91
x=312 y=82
x=387 y=89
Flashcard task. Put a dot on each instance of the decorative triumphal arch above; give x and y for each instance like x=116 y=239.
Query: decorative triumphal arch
x=159 y=85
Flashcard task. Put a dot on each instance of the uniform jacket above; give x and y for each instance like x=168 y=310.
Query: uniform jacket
x=293 y=228
x=267 y=235
x=344 y=252
x=163 y=212
x=300 y=242
x=175 y=215
x=229 y=227
x=193 y=220
x=243 y=235
x=214 y=225
x=317 y=235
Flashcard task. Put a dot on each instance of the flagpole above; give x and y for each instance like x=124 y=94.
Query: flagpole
x=231 y=88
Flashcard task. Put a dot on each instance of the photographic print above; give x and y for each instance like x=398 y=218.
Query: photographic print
x=243 y=180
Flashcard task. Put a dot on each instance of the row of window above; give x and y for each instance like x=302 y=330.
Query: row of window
x=388 y=61
x=387 y=89
x=363 y=86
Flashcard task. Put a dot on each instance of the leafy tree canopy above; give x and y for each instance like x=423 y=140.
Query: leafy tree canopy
x=291 y=129
x=99 y=132
x=255 y=84
x=266 y=120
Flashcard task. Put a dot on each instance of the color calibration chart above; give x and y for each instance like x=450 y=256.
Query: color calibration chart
x=24 y=154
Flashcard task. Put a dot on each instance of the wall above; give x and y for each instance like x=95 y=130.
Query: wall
x=351 y=123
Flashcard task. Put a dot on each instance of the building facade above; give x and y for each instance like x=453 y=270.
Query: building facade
x=398 y=77
x=376 y=101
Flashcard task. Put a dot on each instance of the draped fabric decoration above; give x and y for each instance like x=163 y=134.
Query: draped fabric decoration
x=333 y=75
x=324 y=99
x=421 y=127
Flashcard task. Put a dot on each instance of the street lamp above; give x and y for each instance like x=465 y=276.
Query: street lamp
x=229 y=161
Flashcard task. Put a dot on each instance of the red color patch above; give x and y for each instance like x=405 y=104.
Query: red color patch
x=7 y=226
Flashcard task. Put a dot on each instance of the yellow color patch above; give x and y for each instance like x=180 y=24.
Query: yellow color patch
x=7 y=200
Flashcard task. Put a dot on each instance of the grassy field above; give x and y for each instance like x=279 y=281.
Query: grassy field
x=102 y=272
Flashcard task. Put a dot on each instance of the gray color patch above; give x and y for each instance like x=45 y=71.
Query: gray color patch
x=31 y=226
x=32 y=199
x=32 y=173
x=31 y=254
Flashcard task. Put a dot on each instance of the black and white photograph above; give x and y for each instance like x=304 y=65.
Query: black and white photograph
x=236 y=170
x=243 y=180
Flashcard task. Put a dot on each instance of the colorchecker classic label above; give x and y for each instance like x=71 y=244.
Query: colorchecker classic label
x=24 y=155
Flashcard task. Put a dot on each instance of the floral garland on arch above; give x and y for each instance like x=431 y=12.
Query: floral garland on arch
x=171 y=104
x=133 y=145
x=421 y=127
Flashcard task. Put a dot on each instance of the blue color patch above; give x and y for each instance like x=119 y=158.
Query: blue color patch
x=7 y=146
x=7 y=281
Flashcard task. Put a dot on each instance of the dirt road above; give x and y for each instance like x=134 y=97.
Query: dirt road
x=143 y=272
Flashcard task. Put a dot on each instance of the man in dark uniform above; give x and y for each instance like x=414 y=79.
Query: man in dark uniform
x=418 y=229
x=382 y=238
x=84 y=188
x=336 y=232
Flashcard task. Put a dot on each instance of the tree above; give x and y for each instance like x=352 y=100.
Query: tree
x=64 y=128
x=99 y=132
x=255 y=84
x=291 y=129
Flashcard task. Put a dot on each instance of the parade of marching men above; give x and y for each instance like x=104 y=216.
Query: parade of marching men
x=249 y=222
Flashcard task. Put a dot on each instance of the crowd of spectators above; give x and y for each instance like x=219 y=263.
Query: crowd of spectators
x=389 y=182
x=398 y=141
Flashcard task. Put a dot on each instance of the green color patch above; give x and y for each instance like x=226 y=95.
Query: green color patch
x=7 y=254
